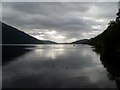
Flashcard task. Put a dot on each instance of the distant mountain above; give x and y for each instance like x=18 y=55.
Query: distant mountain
x=83 y=41
x=11 y=35
x=49 y=42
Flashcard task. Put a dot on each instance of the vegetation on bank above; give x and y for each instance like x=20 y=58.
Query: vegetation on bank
x=110 y=38
x=107 y=44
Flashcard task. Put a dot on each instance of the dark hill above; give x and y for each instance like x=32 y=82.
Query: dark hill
x=11 y=35
x=83 y=41
x=107 y=44
x=110 y=38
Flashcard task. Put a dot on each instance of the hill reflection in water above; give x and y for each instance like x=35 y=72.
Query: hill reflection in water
x=56 y=66
x=110 y=58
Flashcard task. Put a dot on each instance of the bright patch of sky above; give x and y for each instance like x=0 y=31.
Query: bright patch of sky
x=60 y=21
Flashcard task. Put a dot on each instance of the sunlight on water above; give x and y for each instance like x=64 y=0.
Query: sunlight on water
x=56 y=66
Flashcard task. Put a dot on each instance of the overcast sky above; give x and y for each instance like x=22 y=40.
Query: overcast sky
x=60 y=21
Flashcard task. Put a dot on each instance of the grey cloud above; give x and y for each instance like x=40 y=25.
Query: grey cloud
x=61 y=0
x=65 y=18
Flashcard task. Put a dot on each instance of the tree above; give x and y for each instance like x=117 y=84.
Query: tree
x=111 y=23
x=118 y=18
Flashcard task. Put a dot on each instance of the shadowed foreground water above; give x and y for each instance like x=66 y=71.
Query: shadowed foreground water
x=56 y=66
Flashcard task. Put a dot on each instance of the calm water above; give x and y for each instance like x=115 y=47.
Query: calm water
x=52 y=66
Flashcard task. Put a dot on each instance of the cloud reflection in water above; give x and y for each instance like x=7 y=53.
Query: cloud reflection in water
x=56 y=66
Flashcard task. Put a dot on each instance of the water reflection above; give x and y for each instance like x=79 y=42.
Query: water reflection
x=9 y=53
x=52 y=66
x=52 y=54
x=110 y=59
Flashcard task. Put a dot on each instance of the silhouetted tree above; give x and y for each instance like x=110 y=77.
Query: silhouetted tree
x=118 y=14
x=118 y=18
x=111 y=23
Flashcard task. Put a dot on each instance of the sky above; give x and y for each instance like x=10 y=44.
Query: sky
x=59 y=21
